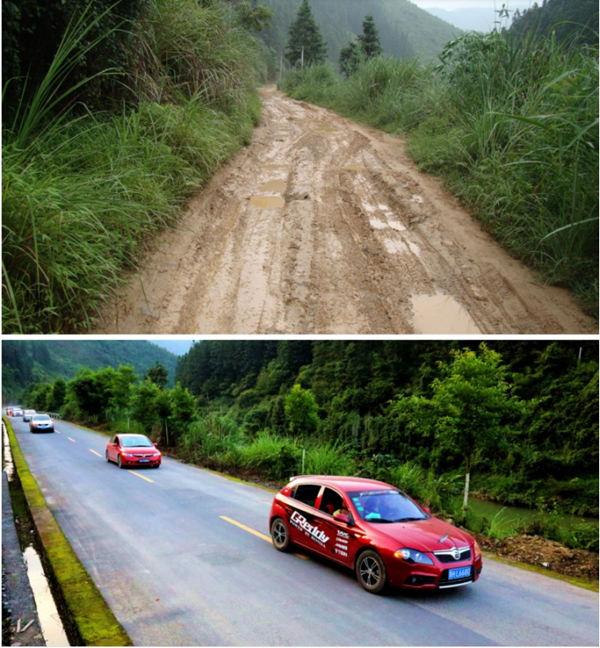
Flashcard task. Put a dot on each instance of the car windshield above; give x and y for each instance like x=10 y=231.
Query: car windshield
x=386 y=506
x=41 y=417
x=136 y=442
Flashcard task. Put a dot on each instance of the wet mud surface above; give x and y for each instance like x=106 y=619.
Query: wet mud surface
x=323 y=226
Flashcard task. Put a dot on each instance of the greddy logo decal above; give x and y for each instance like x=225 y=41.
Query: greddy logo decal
x=300 y=522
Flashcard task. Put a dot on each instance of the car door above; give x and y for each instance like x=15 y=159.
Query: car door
x=344 y=538
x=113 y=448
x=303 y=516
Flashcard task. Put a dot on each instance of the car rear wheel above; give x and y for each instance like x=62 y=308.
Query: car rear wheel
x=370 y=571
x=280 y=534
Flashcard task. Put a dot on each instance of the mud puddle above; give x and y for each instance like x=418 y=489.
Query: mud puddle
x=436 y=314
x=327 y=227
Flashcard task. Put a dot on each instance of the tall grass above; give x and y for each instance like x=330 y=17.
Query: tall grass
x=82 y=193
x=512 y=126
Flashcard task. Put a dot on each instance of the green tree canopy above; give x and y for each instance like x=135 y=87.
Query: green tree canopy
x=349 y=59
x=305 y=44
x=469 y=411
x=301 y=410
x=369 y=39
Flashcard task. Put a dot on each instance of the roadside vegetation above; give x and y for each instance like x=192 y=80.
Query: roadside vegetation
x=509 y=120
x=141 y=103
x=520 y=417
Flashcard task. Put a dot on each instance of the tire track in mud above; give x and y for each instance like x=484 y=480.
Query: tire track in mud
x=323 y=226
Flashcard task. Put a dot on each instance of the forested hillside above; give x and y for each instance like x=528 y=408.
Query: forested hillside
x=405 y=29
x=376 y=400
x=566 y=19
x=33 y=361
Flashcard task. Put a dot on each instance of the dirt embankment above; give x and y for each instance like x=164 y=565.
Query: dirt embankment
x=324 y=226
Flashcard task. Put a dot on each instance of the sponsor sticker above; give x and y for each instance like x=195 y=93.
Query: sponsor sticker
x=310 y=530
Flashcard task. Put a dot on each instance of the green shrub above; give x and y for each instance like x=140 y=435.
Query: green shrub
x=271 y=456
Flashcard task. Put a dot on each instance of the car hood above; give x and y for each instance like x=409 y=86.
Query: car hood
x=432 y=534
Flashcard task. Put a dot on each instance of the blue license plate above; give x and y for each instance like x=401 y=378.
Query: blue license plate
x=143 y=460
x=459 y=572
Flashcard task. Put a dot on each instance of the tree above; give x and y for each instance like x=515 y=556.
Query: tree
x=57 y=395
x=254 y=18
x=349 y=59
x=158 y=375
x=301 y=410
x=369 y=39
x=469 y=411
x=305 y=44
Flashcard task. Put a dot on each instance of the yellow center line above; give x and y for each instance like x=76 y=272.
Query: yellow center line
x=141 y=476
x=258 y=534
x=71 y=440
x=94 y=452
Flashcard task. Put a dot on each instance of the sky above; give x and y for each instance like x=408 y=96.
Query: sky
x=473 y=14
x=177 y=346
x=450 y=5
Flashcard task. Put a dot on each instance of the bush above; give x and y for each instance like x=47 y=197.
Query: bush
x=271 y=456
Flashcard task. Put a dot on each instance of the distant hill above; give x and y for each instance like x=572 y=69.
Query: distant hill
x=405 y=30
x=569 y=20
x=24 y=361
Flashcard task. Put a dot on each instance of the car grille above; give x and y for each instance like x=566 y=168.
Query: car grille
x=446 y=556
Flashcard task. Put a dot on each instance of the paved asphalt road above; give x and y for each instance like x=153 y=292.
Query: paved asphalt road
x=176 y=573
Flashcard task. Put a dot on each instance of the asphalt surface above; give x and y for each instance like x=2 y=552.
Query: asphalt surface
x=182 y=557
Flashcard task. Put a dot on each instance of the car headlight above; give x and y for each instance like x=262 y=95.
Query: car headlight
x=413 y=556
x=127 y=454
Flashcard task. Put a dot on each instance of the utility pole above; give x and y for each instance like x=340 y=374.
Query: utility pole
x=302 y=57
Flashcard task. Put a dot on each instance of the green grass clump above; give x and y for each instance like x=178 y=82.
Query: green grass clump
x=510 y=124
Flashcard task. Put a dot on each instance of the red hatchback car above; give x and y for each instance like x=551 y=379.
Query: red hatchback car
x=132 y=450
x=374 y=529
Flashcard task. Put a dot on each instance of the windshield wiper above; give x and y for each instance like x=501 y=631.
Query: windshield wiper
x=408 y=519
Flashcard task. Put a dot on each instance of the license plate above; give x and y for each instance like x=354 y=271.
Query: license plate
x=143 y=460
x=459 y=572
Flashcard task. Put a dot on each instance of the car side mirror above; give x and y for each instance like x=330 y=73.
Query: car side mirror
x=343 y=517
x=426 y=509
x=155 y=444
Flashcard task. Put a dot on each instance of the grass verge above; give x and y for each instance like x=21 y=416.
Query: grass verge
x=91 y=617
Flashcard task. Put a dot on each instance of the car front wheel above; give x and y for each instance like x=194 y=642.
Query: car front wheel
x=370 y=571
x=280 y=534
x=119 y=462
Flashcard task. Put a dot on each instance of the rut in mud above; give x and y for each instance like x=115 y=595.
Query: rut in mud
x=324 y=226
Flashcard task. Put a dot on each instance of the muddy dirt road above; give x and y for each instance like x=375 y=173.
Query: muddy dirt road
x=327 y=227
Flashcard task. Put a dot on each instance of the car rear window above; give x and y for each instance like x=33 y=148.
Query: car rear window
x=306 y=493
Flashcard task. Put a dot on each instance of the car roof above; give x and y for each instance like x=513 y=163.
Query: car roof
x=342 y=482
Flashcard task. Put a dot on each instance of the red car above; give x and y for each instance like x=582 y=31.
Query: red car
x=379 y=532
x=133 y=450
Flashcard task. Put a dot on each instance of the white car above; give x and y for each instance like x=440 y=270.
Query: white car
x=27 y=414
